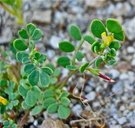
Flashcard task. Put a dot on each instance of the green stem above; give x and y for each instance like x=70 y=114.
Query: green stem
x=76 y=50
x=7 y=8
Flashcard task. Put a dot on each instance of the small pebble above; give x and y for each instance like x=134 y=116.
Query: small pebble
x=122 y=120
x=91 y=96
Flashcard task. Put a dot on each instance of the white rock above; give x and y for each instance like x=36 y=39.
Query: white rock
x=77 y=109
x=133 y=62
x=132 y=2
x=91 y=96
x=95 y=3
x=130 y=49
x=99 y=89
x=130 y=28
x=42 y=16
x=124 y=76
x=115 y=73
x=122 y=108
x=118 y=88
x=115 y=126
x=122 y=9
x=54 y=41
x=96 y=104
x=122 y=120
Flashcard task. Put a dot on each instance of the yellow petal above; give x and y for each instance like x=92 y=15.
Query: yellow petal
x=3 y=100
x=106 y=39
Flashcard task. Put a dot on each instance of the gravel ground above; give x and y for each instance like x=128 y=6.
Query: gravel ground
x=115 y=101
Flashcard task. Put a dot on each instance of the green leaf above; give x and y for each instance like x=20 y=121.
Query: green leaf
x=79 y=56
x=48 y=70
x=48 y=102
x=64 y=94
x=63 y=61
x=30 y=28
x=23 y=34
x=3 y=82
x=37 y=34
x=97 y=28
x=89 y=39
x=71 y=67
x=63 y=112
x=83 y=67
x=48 y=93
x=19 y=45
x=74 y=32
x=34 y=77
x=36 y=110
x=32 y=96
x=66 y=46
x=113 y=25
x=65 y=101
x=99 y=62
x=52 y=108
x=25 y=106
x=22 y=91
x=44 y=78
x=28 y=68
x=20 y=56
x=115 y=44
x=120 y=36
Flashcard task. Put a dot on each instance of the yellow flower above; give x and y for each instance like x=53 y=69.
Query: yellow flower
x=3 y=100
x=107 y=39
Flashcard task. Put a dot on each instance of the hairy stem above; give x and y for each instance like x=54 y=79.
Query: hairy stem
x=76 y=50
x=7 y=8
